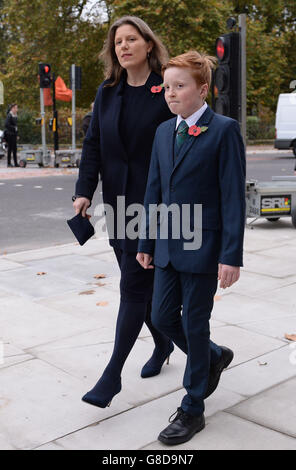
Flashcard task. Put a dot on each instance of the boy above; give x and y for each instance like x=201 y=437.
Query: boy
x=203 y=163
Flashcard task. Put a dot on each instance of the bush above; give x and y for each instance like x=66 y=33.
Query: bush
x=259 y=129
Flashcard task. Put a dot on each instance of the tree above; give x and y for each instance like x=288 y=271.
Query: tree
x=53 y=32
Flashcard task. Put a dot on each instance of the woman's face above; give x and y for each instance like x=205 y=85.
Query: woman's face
x=130 y=47
x=14 y=109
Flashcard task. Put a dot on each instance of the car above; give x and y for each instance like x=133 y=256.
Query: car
x=285 y=122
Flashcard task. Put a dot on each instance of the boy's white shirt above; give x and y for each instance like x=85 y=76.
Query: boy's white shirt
x=191 y=120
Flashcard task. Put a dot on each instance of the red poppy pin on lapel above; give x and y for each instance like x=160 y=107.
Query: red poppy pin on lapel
x=195 y=130
x=157 y=88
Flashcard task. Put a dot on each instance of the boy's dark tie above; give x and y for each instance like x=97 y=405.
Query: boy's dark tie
x=182 y=133
x=181 y=136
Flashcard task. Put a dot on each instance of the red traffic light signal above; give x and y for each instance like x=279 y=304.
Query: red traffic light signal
x=45 y=77
x=220 y=48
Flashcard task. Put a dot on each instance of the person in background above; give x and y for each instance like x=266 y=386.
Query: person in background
x=87 y=118
x=11 y=134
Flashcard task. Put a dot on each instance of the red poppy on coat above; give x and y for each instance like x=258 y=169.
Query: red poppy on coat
x=194 y=130
x=156 y=88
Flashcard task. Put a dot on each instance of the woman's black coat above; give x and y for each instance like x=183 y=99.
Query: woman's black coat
x=103 y=150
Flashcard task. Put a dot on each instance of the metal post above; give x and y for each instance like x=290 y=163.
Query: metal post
x=55 y=116
x=73 y=109
x=243 y=33
x=44 y=150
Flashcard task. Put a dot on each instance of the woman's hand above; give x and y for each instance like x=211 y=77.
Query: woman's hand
x=145 y=259
x=80 y=205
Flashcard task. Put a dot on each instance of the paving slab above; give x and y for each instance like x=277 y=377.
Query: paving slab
x=137 y=426
x=27 y=324
x=261 y=373
x=269 y=265
x=87 y=363
x=226 y=432
x=286 y=251
x=96 y=305
x=39 y=403
x=259 y=285
x=246 y=345
x=13 y=355
x=6 y=264
x=283 y=294
x=92 y=247
x=279 y=415
x=238 y=309
x=75 y=267
x=273 y=327
x=26 y=282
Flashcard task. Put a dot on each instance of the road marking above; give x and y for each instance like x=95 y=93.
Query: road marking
x=18 y=185
x=2 y=183
x=38 y=187
x=58 y=189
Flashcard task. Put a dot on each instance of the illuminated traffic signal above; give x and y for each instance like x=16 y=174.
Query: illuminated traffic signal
x=45 y=76
x=227 y=76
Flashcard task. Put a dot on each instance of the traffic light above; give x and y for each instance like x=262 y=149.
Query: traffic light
x=44 y=74
x=77 y=77
x=227 y=76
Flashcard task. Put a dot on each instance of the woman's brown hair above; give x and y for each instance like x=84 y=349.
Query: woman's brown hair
x=113 y=69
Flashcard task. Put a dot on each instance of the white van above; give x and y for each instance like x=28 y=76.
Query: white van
x=285 y=122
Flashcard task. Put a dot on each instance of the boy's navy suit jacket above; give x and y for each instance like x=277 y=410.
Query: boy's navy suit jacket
x=209 y=170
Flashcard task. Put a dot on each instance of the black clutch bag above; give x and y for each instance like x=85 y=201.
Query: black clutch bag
x=81 y=227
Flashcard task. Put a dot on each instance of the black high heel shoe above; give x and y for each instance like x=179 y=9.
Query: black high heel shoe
x=103 y=392
x=155 y=363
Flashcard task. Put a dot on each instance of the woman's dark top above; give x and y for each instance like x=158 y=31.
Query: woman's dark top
x=11 y=125
x=118 y=144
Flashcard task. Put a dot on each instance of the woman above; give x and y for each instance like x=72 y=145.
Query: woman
x=118 y=145
x=11 y=133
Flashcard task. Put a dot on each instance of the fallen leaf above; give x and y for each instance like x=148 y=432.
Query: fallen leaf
x=101 y=284
x=102 y=304
x=99 y=276
x=290 y=337
x=41 y=273
x=217 y=297
x=87 y=292
x=262 y=363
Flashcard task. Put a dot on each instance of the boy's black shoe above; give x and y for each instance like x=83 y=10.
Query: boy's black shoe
x=182 y=428
x=216 y=370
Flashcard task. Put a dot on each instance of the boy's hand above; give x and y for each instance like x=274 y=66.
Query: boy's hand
x=228 y=275
x=145 y=259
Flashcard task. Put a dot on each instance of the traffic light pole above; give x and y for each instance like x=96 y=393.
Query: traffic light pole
x=243 y=30
x=55 y=116
x=44 y=150
x=73 y=109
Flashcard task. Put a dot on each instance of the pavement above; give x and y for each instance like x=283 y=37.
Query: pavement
x=58 y=308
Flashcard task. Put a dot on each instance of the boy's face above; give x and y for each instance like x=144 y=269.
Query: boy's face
x=182 y=93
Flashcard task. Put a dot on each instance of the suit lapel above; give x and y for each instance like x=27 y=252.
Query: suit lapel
x=170 y=144
x=204 y=120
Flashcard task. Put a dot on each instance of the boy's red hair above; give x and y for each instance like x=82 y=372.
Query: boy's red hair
x=200 y=65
